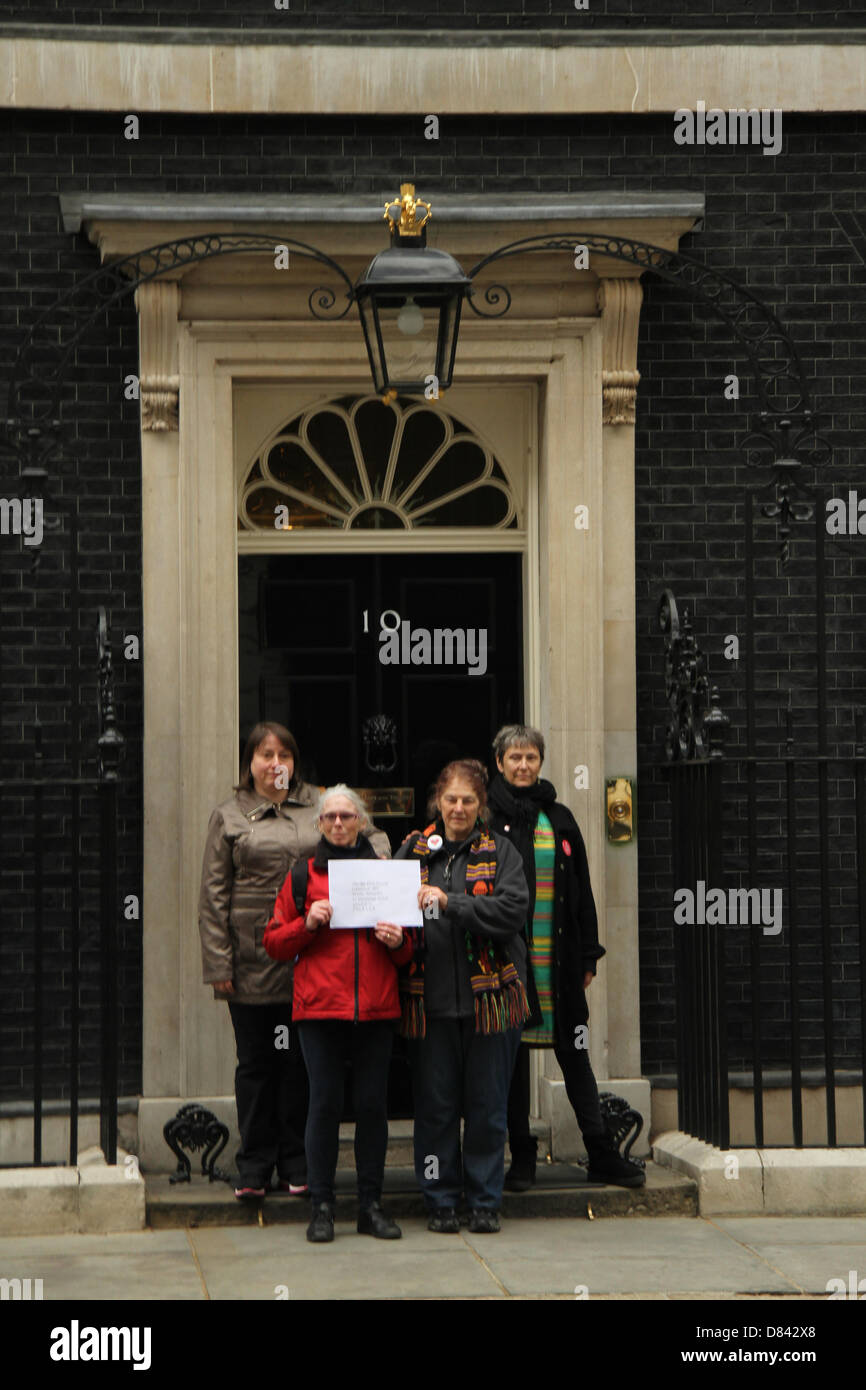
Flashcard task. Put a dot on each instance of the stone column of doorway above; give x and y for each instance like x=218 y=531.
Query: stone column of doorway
x=157 y=304
x=571 y=640
x=602 y=712
x=190 y=696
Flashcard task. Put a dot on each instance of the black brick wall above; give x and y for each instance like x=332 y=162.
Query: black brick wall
x=444 y=14
x=770 y=221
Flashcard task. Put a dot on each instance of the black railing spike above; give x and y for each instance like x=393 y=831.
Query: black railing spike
x=789 y=727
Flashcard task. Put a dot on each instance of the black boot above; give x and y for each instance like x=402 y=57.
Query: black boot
x=521 y=1175
x=321 y=1228
x=606 y=1164
x=373 y=1221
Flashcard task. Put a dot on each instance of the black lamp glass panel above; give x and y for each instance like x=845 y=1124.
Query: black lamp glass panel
x=410 y=338
x=410 y=335
x=448 y=326
x=369 y=323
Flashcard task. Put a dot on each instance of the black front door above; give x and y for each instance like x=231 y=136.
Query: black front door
x=384 y=667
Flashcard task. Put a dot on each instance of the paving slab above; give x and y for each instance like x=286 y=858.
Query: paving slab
x=668 y=1258
x=128 y=1266
x=617 y=1257
x=809 y=1250
x=798 y=1230
x=254 y=1263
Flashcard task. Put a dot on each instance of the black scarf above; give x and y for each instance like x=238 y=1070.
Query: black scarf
x=361 y=849
x=519 y=806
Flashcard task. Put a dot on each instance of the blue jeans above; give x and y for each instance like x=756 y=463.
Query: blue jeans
x=458 y=1071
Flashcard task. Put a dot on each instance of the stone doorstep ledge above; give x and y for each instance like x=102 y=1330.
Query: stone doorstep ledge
x=90 y=1199
x=768 y=1182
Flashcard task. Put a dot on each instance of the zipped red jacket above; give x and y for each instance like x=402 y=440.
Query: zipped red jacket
x=345 y=974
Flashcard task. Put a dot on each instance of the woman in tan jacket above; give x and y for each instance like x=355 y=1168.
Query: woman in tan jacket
x=253 y=840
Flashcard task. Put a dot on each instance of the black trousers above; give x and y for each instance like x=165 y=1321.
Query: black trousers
x=328 y=1044
x=580 y=1087
x=271 y=1093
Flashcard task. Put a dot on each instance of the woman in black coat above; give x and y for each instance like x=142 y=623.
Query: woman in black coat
x=562 y=952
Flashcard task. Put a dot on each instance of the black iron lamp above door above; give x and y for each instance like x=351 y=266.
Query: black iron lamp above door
x=409 y=299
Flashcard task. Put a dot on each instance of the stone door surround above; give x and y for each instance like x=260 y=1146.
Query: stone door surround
x=213 y=326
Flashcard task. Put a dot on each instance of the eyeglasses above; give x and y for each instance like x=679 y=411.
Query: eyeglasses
x=344 y=816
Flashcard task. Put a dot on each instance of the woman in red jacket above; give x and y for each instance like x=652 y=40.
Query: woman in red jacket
x=346 y=1006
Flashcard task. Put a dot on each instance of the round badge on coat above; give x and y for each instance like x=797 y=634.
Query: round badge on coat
x=434 y=843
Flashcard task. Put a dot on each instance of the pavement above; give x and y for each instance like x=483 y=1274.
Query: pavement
x=660 y=1258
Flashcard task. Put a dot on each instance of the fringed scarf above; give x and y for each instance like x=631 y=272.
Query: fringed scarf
x=516 y=811
x=497 y=990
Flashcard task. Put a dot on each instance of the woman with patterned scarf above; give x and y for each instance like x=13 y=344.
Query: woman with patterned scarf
x=464 y=1000
x=563 y=951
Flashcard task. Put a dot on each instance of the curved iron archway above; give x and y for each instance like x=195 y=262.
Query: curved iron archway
x=41 y=360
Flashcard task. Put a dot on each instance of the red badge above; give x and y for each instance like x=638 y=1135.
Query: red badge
x=566 y=848
x=479 y=888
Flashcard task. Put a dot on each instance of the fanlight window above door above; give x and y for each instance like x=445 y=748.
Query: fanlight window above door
x=357 y=464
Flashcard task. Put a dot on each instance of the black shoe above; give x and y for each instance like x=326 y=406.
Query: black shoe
x=321 y=1228
x=445 y=1221
x=483 y=1222
x=606 y=1164
x=372 y=1221
x=521 y=1175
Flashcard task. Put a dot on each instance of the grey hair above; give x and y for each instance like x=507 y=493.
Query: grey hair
x=517 y=736
x=364 y=822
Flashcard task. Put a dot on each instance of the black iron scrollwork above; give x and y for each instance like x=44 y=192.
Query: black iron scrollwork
x=621 y=1121
x=780 y=380
x=40 y=368
x=696 y=726
x=780 y=444
x=195 y=1127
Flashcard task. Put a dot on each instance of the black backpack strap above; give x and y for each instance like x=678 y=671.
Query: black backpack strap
x=300 y=879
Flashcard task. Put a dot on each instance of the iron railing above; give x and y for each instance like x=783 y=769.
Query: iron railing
x=60 y=878
x=763 y=998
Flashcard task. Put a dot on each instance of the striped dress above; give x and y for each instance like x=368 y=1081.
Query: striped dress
x=541 y=946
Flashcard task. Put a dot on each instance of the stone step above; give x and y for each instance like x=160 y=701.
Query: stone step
x=561 y=1189
x=401 y=1152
